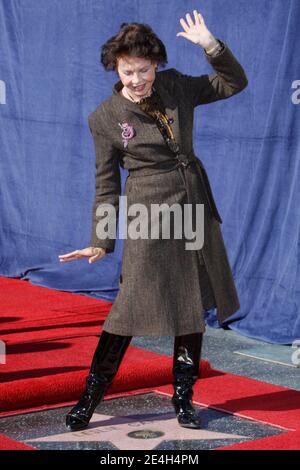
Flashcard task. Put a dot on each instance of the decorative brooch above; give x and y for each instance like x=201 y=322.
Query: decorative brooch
x=127 y=132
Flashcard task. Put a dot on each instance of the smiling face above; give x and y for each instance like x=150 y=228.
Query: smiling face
x=137 y=75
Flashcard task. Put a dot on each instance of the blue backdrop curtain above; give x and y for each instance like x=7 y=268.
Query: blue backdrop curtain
x=51 y=79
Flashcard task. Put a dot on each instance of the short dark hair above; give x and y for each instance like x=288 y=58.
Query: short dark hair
x=134 y=39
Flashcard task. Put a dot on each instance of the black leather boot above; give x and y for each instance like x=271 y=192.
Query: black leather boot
x=105 y=364
x=186 y=361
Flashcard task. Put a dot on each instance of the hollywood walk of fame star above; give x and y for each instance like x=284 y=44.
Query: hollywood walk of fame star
x=115 y=429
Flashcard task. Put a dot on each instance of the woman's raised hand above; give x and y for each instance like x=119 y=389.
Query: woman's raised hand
x=93 y=253
x=197 y=31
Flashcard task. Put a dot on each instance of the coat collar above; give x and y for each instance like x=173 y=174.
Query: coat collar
x=168 y=99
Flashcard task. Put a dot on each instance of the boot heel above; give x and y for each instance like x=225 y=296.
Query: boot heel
x=185 y=412
x=79 y=416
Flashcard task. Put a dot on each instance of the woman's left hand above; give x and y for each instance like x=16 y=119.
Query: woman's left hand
x=197 y=32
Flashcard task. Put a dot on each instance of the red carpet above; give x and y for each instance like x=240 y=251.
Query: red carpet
x=248 y=398
x=33 y=313
x=251 y=399
x=9 y=444
x=49 y=373
x=51 y=337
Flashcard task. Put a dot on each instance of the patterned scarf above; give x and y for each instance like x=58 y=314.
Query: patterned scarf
x=153 y=106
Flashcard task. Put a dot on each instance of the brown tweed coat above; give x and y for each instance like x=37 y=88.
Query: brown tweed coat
x=164 y=287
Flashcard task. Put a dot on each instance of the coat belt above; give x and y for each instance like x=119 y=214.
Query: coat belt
x=182 y=162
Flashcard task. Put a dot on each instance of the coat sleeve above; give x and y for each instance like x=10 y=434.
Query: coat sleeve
x=229 y=79
x=108 y=183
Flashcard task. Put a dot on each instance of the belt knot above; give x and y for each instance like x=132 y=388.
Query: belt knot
x=184 y=159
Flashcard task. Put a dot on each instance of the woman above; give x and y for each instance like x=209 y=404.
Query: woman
x=146 y=127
